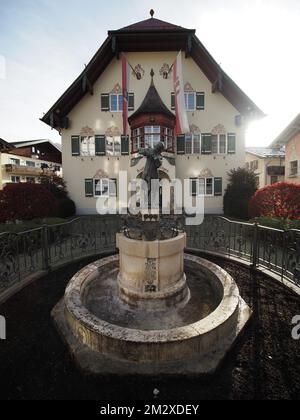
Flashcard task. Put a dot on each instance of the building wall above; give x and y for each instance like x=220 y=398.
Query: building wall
x=87 y=113
x=292 y=152
x=5 y=159
x=261 y=172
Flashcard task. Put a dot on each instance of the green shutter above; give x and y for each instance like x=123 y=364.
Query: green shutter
x=206 y=144
x=75 y=146
x=181 y=145
x=193 y=187
x=218 y=186
x=173 y=101
x=200 y=100
x=130 y=101
x=100 y=146
x=105 y=102
x=124 y=145
x=89 y=188
x=231 y=140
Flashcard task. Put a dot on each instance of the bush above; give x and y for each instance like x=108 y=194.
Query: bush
x=242 y=186
x=66 y=207
x=280 y=200
x=26 y=202
x=277 y=223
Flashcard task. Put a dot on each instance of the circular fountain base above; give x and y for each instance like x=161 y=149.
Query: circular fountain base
x=106 y=335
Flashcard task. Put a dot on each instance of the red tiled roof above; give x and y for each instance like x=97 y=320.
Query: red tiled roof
x=153 y=25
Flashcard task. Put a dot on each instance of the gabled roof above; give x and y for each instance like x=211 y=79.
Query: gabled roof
x=288 y=133
x=266 y=152
x=152 y=104
x=26 y=143
x=149 y=35
x=153 y=25
x=4 y=145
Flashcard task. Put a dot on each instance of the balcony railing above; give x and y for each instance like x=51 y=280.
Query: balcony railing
x=26 y=170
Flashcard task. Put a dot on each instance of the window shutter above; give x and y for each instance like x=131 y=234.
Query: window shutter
x=105 y=102
x=181 y=145
x=100 y=146
x=218 y=187
x=173 y=101
x=89 y=188
x=200 y=100
x=75 y=146
x=231 y=143
x=194 y=187
x=124 y=145
x=130 y=101
x=206 y=144
x=113 y=187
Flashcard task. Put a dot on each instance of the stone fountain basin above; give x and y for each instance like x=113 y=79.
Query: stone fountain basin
x=212 y=335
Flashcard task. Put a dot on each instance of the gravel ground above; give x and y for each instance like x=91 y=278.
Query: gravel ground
x=265 y=363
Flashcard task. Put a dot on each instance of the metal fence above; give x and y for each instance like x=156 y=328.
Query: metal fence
x=48 y=247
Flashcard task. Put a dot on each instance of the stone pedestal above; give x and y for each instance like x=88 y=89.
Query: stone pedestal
x=152 y=272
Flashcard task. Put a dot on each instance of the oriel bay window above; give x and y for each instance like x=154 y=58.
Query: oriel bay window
x=151 y=135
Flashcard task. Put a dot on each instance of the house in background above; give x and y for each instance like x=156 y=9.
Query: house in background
x=268 y=164
x=89 y=116
x=27 y=161
x=290 y=139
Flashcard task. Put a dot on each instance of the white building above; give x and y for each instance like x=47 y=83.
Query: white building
x=89 y=115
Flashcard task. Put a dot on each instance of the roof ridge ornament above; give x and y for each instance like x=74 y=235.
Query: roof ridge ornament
x=152 y=75
x=152 y=13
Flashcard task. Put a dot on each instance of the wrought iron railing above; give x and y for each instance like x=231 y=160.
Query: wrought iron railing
x=48 y=247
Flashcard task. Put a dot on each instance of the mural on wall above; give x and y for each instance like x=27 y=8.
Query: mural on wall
x=113 y=131
x=100 y=174
x=194 y=129
x=165 y=71
x=116 y=89
x=138 y=72
x=218 y=129
x=188 y=87
x=205 y=173
x=87 y=132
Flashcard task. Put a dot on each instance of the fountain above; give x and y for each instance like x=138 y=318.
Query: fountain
x=152 y=308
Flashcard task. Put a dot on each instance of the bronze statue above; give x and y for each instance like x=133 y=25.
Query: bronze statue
x=154 y=162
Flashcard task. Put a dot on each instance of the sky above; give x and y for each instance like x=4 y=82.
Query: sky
x=44 y=45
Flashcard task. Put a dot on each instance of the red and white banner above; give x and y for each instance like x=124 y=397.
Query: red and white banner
x=125 y=90
x=182 y=123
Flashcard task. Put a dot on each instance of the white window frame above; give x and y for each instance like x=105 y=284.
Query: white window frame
x=118 y=95
x=15 y=177
x=219 y=144
x=186 y=95
x=15 y=161
x=91 y=151
x=109 y=182
x=193 y=143
x=151 y=134
x=31 y=164
x=205 y=186
x=115 y=139
x=294 y=171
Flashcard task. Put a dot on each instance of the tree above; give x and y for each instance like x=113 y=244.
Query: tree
x=242 y=185
x=26 y=201
x=280 y=200
x=57 y=186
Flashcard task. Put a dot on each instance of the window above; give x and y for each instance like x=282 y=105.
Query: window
x=274 y=179
x=190 y=101
x=30 y=164
x=105 y=187
x=254 y=165
x=14 y=161
x=15 y=179
x=152 y=135
x=136 y=139
x=87 y=146
x=30 y=179
x=168 y=138
x=116 y=102
x=218 y=143
x=202 y=187
x=113 y=146
x=192 y=144
x=294 y=168
x=231 y=143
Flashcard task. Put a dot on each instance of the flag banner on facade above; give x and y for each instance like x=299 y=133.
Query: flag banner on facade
x=182 y=124
x=125 y=90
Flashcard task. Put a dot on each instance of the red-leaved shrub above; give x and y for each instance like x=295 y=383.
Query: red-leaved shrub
x=279 y=200
x=26 y=201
